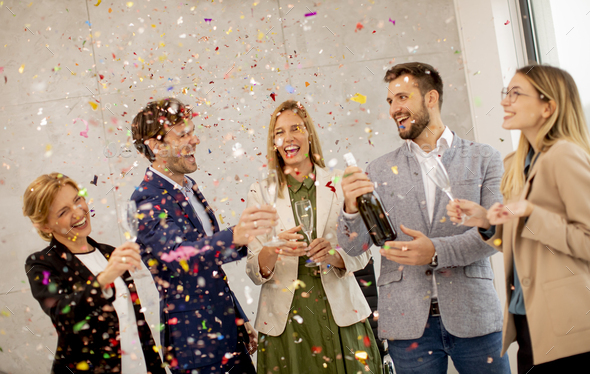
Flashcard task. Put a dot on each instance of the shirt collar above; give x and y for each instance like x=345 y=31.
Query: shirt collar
x=294 y=185
x=445 y=140
x=188 y=184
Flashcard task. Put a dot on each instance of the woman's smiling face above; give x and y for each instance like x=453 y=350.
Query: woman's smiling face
x=68 y=215
x=292 y=139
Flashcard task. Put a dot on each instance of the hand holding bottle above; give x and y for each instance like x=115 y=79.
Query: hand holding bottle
x=360 y=196
x=355 y=183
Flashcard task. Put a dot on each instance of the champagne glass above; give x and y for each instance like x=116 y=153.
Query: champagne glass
x=437 y=172
x=304 y=211
x=269 y=186
x=130 y=224
x=129 y=221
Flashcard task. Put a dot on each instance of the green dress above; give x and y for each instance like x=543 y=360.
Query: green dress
x=312 y=342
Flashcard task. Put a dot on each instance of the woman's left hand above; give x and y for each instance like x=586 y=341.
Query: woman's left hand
x=499 y=214
x=320 y=253
x=253 y=338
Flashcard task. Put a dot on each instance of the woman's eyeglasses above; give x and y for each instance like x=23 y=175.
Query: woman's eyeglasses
x=513 y=95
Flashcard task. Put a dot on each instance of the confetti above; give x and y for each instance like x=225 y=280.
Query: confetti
x=98 y=3
x=392 y=21
x=412 y=346
x=273 y=96
x=361 y=356
x=310 y=14
x=507 y=23
x=290 y=89
x=21 y=69
x=46 y=277
x=181 y=253
x=359 y=27
x=129 y=4
x=498 y=242
x=221 y=218
x=82 y=365
x=95 y=180
x=306 y=84
x=83 y=192
x=316 y=350
x=443 y=220
x=208 y=20
x=85 y=132
x=361 y=99
x=394 y=169
x=93 y=105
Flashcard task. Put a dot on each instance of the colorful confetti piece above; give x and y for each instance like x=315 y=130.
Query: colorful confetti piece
x=361 y=99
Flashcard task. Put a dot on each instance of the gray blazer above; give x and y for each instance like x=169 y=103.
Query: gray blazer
x=468 y=302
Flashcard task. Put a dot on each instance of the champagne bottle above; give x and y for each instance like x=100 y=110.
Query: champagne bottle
x=374 y=215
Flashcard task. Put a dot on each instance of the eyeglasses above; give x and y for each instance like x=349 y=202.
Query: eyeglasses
x=513 y=95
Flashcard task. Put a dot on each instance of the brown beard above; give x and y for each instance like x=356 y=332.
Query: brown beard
x=421 y=120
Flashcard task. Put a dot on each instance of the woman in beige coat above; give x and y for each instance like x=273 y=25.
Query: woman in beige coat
x=543 y=227
x=310 y=319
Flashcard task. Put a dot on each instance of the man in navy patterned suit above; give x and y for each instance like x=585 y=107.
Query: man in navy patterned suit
x=204 y=326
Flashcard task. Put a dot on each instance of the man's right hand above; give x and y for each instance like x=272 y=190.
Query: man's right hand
x=253 y=222
x=355 y=183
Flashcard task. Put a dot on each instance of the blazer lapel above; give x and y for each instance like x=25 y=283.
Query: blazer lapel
x=324 y=198
x=71 y=260
x=531 y=176
x=166 y=187
x=208 y=208
x=418 y=184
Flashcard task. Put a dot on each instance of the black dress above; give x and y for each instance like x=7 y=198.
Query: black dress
x=86 y=322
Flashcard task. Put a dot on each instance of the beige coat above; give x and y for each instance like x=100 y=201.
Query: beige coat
x=552 y=254
x=345 y=297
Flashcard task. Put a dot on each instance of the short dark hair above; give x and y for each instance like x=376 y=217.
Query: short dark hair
x=428 y=78
x=151 y=122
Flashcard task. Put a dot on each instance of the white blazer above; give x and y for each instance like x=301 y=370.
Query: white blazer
x=345 y=297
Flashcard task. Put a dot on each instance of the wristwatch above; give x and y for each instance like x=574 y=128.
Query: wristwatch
x=434 y=262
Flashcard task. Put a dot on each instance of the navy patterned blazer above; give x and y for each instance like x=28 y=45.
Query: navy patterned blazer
x=197 y=307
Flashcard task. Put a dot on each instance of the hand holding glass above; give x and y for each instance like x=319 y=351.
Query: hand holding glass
x=304 y=211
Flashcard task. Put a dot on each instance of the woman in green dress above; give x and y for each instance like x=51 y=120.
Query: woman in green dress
x=310 y=319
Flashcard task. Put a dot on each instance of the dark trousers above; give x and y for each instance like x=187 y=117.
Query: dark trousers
x=240 y=363
x=571 y=365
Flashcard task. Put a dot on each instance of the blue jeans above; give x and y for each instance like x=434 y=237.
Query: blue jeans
x=429 y=353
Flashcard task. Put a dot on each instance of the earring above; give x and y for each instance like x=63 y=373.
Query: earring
x=50 y=235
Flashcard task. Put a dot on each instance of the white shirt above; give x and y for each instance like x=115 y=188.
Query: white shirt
x=198 y=207
x=132 y=358
x=442 y=144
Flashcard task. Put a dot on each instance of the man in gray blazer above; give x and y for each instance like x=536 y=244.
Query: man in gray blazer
x=436 y=292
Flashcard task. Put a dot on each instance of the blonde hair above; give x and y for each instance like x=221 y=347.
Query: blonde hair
x=275 y=161
x=40 y=195
x=567 y=121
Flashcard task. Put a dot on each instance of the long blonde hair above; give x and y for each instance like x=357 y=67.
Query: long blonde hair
x=567 y=122
x=40 y=195
x=275 y=161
